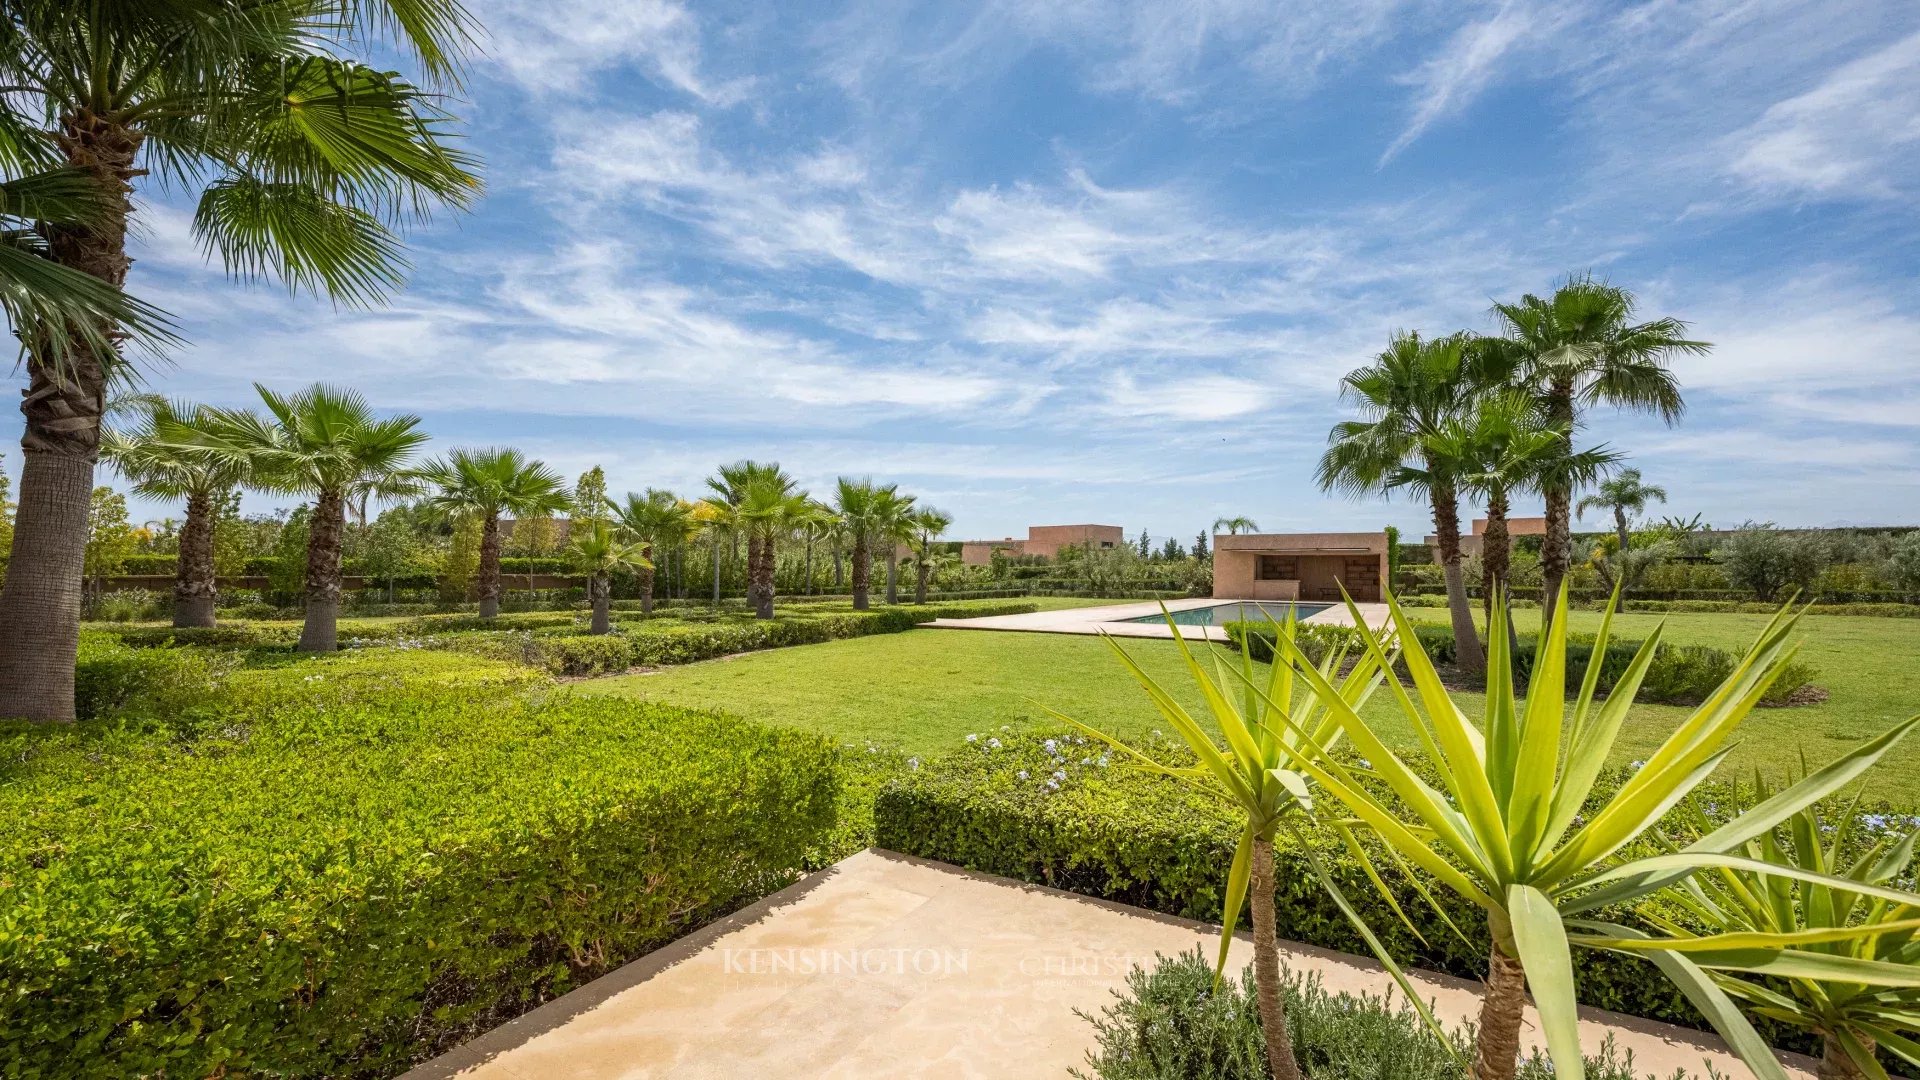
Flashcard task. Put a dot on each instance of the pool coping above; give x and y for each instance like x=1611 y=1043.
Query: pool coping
x=1109 y=619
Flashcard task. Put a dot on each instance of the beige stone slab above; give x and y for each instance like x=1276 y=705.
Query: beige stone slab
x=887 y=966
x=1113 y=620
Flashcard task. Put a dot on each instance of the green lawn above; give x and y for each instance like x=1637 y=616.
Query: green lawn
x=925 y=690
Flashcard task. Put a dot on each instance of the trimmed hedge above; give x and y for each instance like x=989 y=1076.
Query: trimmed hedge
x=1045 y=809
x=1678 y=674
x=343 y=889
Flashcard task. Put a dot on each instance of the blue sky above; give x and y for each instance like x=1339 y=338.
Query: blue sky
x=1069 y=261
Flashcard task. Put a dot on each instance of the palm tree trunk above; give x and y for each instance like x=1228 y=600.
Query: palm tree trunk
x=862 y=573
x=1556 y=551
x=839 y=577
x=646 y=581
x=600 y=589
x=1266 y=968
x=1446 y=526
x=1837 y=1064
x=487 y=581
x=920 y=580
x=716 y=570
x=809 y=564
x=893 y=572
x=40 y=600
x=193 y=584
x=760 y=575
x=1497 y=1054
x=320 y=633
x=1620 y=528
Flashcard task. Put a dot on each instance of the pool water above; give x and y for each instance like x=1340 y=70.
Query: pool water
x=1235 y=611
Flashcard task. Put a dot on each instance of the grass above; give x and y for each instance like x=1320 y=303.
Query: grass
x=925 y=690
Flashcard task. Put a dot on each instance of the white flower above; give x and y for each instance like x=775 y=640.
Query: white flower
x=913 y=763
x=1022 y=774
x=1060 y=774
x=1051 y=745
x=1053 y=785
x=994 y=743
x=973 y=738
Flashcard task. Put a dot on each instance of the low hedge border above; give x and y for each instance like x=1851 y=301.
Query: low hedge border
x=346 y=889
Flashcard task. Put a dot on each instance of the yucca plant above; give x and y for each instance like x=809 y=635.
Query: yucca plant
x=1261 y=724
x=1509 y=830
x=1849 y=970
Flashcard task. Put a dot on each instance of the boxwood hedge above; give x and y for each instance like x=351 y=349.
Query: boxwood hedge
x=341 y=882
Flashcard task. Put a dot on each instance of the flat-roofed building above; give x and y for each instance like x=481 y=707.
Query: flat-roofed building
x=1299 y=566
x=1043 y=540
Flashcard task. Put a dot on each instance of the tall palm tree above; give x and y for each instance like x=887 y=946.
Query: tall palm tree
x=767 y=505
x=1500 y=448
x=1410 y=392
x=1235 y=525
x=656 y=518
x=1625 y=495
x=322 y=442
x=485 y=484
x=305 y=163
x=161 y=469
x=598 y=552
x=927 y=525
x=815 y=525
x=872 y=513
x=1577 y=349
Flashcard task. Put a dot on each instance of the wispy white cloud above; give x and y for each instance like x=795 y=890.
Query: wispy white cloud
x=1465 y=66
x=556 y=47
x=1848 y=136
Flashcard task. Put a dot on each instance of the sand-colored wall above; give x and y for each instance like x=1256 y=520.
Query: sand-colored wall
x=1304 y=569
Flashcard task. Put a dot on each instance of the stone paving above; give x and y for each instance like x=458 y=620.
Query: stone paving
x=1111 y=620
x=887 y=966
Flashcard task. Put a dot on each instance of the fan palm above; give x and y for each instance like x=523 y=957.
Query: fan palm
x=320 y=442
x=656 y=518
x=1577 y=349
x=927 y=525
x=1234 y=525
x=1625 y=495
x=1511 y=831
x=305 y=163
x=818 y=523
x=160 y=469
x=598 y=552
x=1500 y=448
x=1862 y=931
x=896 y=511
x=872 y=513
x=760 y=503
x=1411 y=391
x=485 y=484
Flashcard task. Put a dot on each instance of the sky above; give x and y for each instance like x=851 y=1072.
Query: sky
x=1072 y=261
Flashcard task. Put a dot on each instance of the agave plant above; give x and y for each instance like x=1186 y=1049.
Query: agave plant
x=1265 y=721
x=1509 y=830
x=1849 y=960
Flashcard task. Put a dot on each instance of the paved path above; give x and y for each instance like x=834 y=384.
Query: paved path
x=1112 y=620
x=886 y=966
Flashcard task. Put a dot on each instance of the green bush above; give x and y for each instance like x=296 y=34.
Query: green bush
x=1057 y=811
x=343 y=889
x=1678 y=674
x=1173 y=1023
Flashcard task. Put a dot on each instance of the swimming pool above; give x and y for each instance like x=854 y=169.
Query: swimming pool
x=1235 y=611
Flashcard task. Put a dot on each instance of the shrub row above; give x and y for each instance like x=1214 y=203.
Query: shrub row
x=644 y=645
x=343 y=889
x=1677 y=675
x=1048 y=810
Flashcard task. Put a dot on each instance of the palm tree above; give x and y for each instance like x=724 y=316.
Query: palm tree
x=872 y=513
x=765 y=506
x=1575 y=350
x=815 y=525
x=160 y=469
x=1502 y=447
x=1411 y=391
x=927 y=525
x=1625 y=495
x=305 y=163
x=1235 y=525
x=655 y=519
x=322 y=442
x=598 y=552
x=485 y=484
x=897 y=515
